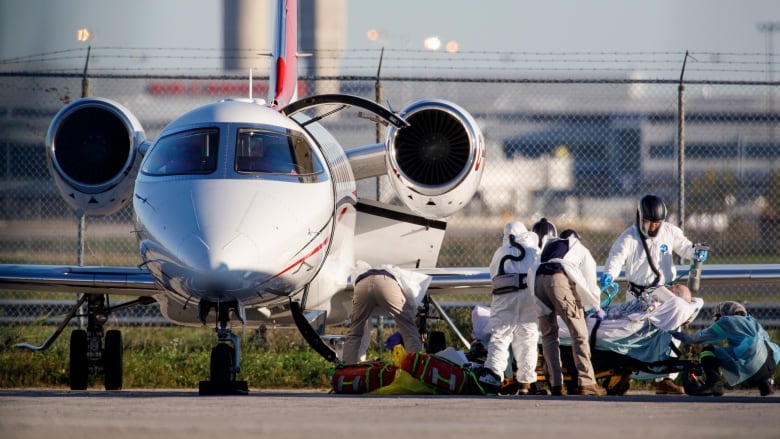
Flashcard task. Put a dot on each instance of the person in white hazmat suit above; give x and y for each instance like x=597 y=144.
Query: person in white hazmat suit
x=513 y=308
x=647 y=250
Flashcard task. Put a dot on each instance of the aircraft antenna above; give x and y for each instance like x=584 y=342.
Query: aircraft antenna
x=378 y=94
x=84 y=79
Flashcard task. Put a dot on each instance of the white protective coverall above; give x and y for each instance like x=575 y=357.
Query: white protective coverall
x=628 y=250
x=513 y=315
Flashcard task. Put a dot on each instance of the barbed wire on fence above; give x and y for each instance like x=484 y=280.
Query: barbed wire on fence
x=726 y=65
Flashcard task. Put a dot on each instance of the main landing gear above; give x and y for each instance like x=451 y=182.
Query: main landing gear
x=226 y=355
x=93 y=351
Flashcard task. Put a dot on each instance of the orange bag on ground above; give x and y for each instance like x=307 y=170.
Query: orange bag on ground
x=362 y=377
x=439 y=372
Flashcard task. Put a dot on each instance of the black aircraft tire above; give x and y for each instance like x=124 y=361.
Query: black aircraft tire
x=222 y=364
x=79 y=368
x=112 y=360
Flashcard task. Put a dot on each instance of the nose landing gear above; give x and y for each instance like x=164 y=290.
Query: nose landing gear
x=226 y=355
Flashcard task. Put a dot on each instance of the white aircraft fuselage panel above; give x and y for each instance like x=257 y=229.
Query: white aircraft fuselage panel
x=236 y=236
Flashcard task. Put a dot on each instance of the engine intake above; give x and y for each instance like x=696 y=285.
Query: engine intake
x=93 y=152
x=436 y=163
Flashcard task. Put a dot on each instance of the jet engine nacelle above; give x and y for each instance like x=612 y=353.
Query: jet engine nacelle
x=93 y=150
x=435 y=164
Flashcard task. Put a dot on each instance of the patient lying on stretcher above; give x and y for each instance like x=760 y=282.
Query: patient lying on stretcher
x=641 y=328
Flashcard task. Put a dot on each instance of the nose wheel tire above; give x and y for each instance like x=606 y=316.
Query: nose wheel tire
x=223 y=374
x=222 y=364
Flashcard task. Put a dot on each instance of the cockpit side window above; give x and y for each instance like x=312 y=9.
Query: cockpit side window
x=188 y=152
x=263 y=151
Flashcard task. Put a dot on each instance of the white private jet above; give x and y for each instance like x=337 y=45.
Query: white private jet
x=249 y=210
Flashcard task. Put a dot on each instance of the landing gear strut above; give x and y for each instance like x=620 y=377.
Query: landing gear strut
x=92 y=351
x=225 y=356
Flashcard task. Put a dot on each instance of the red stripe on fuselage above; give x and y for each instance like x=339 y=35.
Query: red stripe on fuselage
x=304 y=258
x=342 y=213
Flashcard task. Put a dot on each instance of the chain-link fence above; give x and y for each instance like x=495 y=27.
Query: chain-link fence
x=580 y=152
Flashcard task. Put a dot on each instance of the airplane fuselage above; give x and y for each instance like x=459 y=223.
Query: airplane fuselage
x=223 y=217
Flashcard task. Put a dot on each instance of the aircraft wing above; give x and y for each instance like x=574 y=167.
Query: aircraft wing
x=126 y=281
x=742 y=273
x=458 y=280
x=134 y=281
x=476 y=280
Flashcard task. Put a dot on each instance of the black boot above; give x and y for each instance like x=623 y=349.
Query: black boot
x=712 y=383
x=766 y=387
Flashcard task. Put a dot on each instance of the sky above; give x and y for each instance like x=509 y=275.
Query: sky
x=30 y=27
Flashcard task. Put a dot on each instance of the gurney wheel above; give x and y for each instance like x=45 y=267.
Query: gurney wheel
x=618 y=385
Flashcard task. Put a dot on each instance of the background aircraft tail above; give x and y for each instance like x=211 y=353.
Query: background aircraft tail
x=284 y=71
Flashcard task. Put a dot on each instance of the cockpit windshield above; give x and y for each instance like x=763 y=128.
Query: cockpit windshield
x=263 y=151
x=188 y=152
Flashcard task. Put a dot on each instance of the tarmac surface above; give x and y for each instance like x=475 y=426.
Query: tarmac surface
x=174 y=414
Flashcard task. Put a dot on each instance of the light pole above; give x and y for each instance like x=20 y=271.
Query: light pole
x=770 y=27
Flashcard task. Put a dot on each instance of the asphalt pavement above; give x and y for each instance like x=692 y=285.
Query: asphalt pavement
x=176 y=414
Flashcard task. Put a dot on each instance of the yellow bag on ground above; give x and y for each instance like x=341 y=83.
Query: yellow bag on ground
x=403 y=383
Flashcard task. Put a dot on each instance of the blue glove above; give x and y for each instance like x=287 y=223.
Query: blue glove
x=393 y=340
x=606 y=280
x=599 y=315
x=679 y=335
x=701 y=251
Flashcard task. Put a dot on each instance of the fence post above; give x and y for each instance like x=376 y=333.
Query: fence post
x=681 y=148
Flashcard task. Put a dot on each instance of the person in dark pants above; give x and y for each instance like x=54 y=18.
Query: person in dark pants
x=392 y=291
x=750 y=356
x=566 y=286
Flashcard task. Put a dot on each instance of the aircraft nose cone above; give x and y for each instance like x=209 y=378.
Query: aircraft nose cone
x=238 y=253
x=218 y=266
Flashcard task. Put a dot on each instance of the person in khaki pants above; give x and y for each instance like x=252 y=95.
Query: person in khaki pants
x=391 y=291
x=565 y=285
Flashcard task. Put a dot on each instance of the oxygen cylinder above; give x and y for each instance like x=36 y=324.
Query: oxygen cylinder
x=694 y=277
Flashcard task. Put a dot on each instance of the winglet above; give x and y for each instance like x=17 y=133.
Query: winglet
x=284 y=74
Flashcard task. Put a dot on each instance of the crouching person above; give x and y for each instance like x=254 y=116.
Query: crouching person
x=513 y=308
x=749 y=355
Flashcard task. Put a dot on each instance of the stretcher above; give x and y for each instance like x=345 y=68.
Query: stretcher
x=632 y=342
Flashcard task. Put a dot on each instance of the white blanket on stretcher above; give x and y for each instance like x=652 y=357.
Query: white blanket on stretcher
x=641 y=328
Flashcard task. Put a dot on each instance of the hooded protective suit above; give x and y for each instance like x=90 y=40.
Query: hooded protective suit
x=513 y=313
